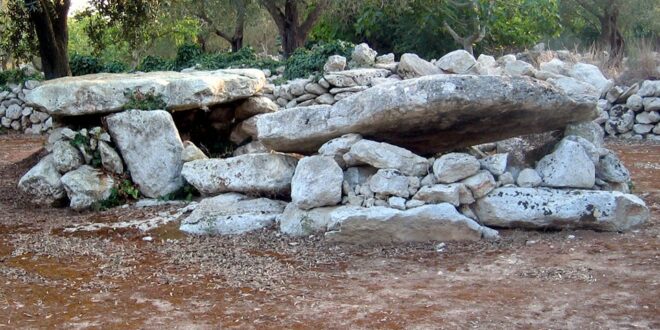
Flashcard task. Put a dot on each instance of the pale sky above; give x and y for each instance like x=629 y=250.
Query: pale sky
x=77 y=5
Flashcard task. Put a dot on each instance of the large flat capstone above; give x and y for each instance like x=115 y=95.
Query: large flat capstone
x=104 y=93
x=430 y=114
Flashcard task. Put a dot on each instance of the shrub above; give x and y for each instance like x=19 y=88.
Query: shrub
x=126 y=191
x=81 y=141
x=244 y=58
x=144 y=101
x=17 y=76
x=187 y=55
x=154 y=63
x=84 y=64
x=306 y=62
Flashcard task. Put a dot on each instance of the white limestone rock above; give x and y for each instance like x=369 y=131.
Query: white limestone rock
x=316 y=182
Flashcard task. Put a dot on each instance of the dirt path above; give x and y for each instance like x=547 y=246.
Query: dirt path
x=576 y=279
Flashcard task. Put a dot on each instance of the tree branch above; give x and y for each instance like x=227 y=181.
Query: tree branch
x=590 y=7
x=275 y=13
x=314 y=16
x=453 y=33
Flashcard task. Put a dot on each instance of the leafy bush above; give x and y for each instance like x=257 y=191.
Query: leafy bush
x=187 y=192
x=244 y=58
x=144 y=101
x=17 y=76
x=126 y=191
x=155 y=63
x=305 y=62
x=187 y=55
x=85 y=64
x=81 y=141
x=115 y=67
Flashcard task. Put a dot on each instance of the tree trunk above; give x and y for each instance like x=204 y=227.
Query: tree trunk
x=611 y=36
x=293 y=33
x=236 y=44
x=52 y=33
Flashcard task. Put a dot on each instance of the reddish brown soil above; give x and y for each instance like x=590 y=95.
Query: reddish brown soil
x=567 y=279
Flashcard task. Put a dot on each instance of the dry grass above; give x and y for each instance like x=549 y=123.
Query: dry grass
x=642 y=63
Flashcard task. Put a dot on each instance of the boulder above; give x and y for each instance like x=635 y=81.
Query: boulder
x=355 y=77
x=429 y=114
x=382 y=225
x=590 y=74
x=358 y=175
x=110 y=159
x=495 y=164
x=529 y=178
x=104 y=93
x=387 y=156
x=519 y=68
x=43 y=183
x=454 y=167
x=458 y=61
x=440 y=193
x=363 y=56
x=253 y=106
x=261 y=174
x=412 y=66
x=487 y=65
x=651 y=103
x=575 y=88
x=151 y=147
x=232 y=214
x=337 y=148
x=316 y=182
x=297 y=222
x=87 y=186
x=589 y=130
x=192 y=152
x=569 y=166
x=541 y=208
x=66 y=157
x=555 y=66
x=650 y=88
x=335 y=63
x=635 y=103
x=480 y=184
x=389 y=183
x=254 y=147
x=611 y=169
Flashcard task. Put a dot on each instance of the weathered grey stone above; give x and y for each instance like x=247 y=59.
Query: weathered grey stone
x=440 y=193
x=561 y=209
x=648 y=117
x=555 y=66
x=412 y=66
x=389 y=183
x=244 y=131
x=355 y=77
x=487 y=65
x=297 y=222
x=430 y=114
x=439 y=222
x=651 y=103
x=590 y=74
x=610 y=168
x=192 y=152
x=568 y=166
x=529 y=178
x=635 y=103
x=316 y=182
x=336 y=148
x=86 y=186
x=315 y=88
x=151 y=148
x=575 y=88
x=335 y=63
x=650 y=88
x=495 y=164
x=397 y=203
x=232 y=214
x=519 y=68
x=385 y=59
x=590 y=131
x=326 y=98
x=354 y=89
x=253 y=106
x=110 y=159
x=42 y=182
x=454 y=167
x=254 y=147
x=104 y=93
x=589 y=148
x=263 y=174
x=480 y=184
x=458 y=61
x=505 y=179
x=363 y=56
x=14 y=112
x=642 y=128
x=387 y=156
x=66 y=157
x=359 y=175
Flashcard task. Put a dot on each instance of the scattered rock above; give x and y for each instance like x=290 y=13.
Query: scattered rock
x=317 y=182
x=110 y=159
x=568 y=166
x=66 y=157
x=43 y=183
x=454 y=167
x=192 y=152
x=412 y=66
x=86 y=186
x=387 y=156
x=458 y=61
x=389 y=183
x=253 y=106
x=480 y=184
x=529 y=178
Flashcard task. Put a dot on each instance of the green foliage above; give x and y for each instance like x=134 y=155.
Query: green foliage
x=83 y=142
x=3 y=130
x=154 y=63
x=144 y=101
x=17 y=76
x=191 y=55
x=187 y=193
x=187 y=55
x=17 y=36
x=305 y=62
x=123 y=193
x=82 y=65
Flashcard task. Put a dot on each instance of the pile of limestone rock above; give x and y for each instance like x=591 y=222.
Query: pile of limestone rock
x=632 y=112
x=15 y=114
x=434 y=156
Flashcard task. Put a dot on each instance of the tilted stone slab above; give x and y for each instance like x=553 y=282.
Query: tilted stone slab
x=105 y=93
x=561 y=209
x=254 y=174
x=430 y=114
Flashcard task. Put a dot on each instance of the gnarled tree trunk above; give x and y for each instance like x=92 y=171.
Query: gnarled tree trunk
x=293 y=33
x=50 y=23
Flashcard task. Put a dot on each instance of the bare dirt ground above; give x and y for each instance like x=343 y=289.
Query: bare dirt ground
x=116 y=279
